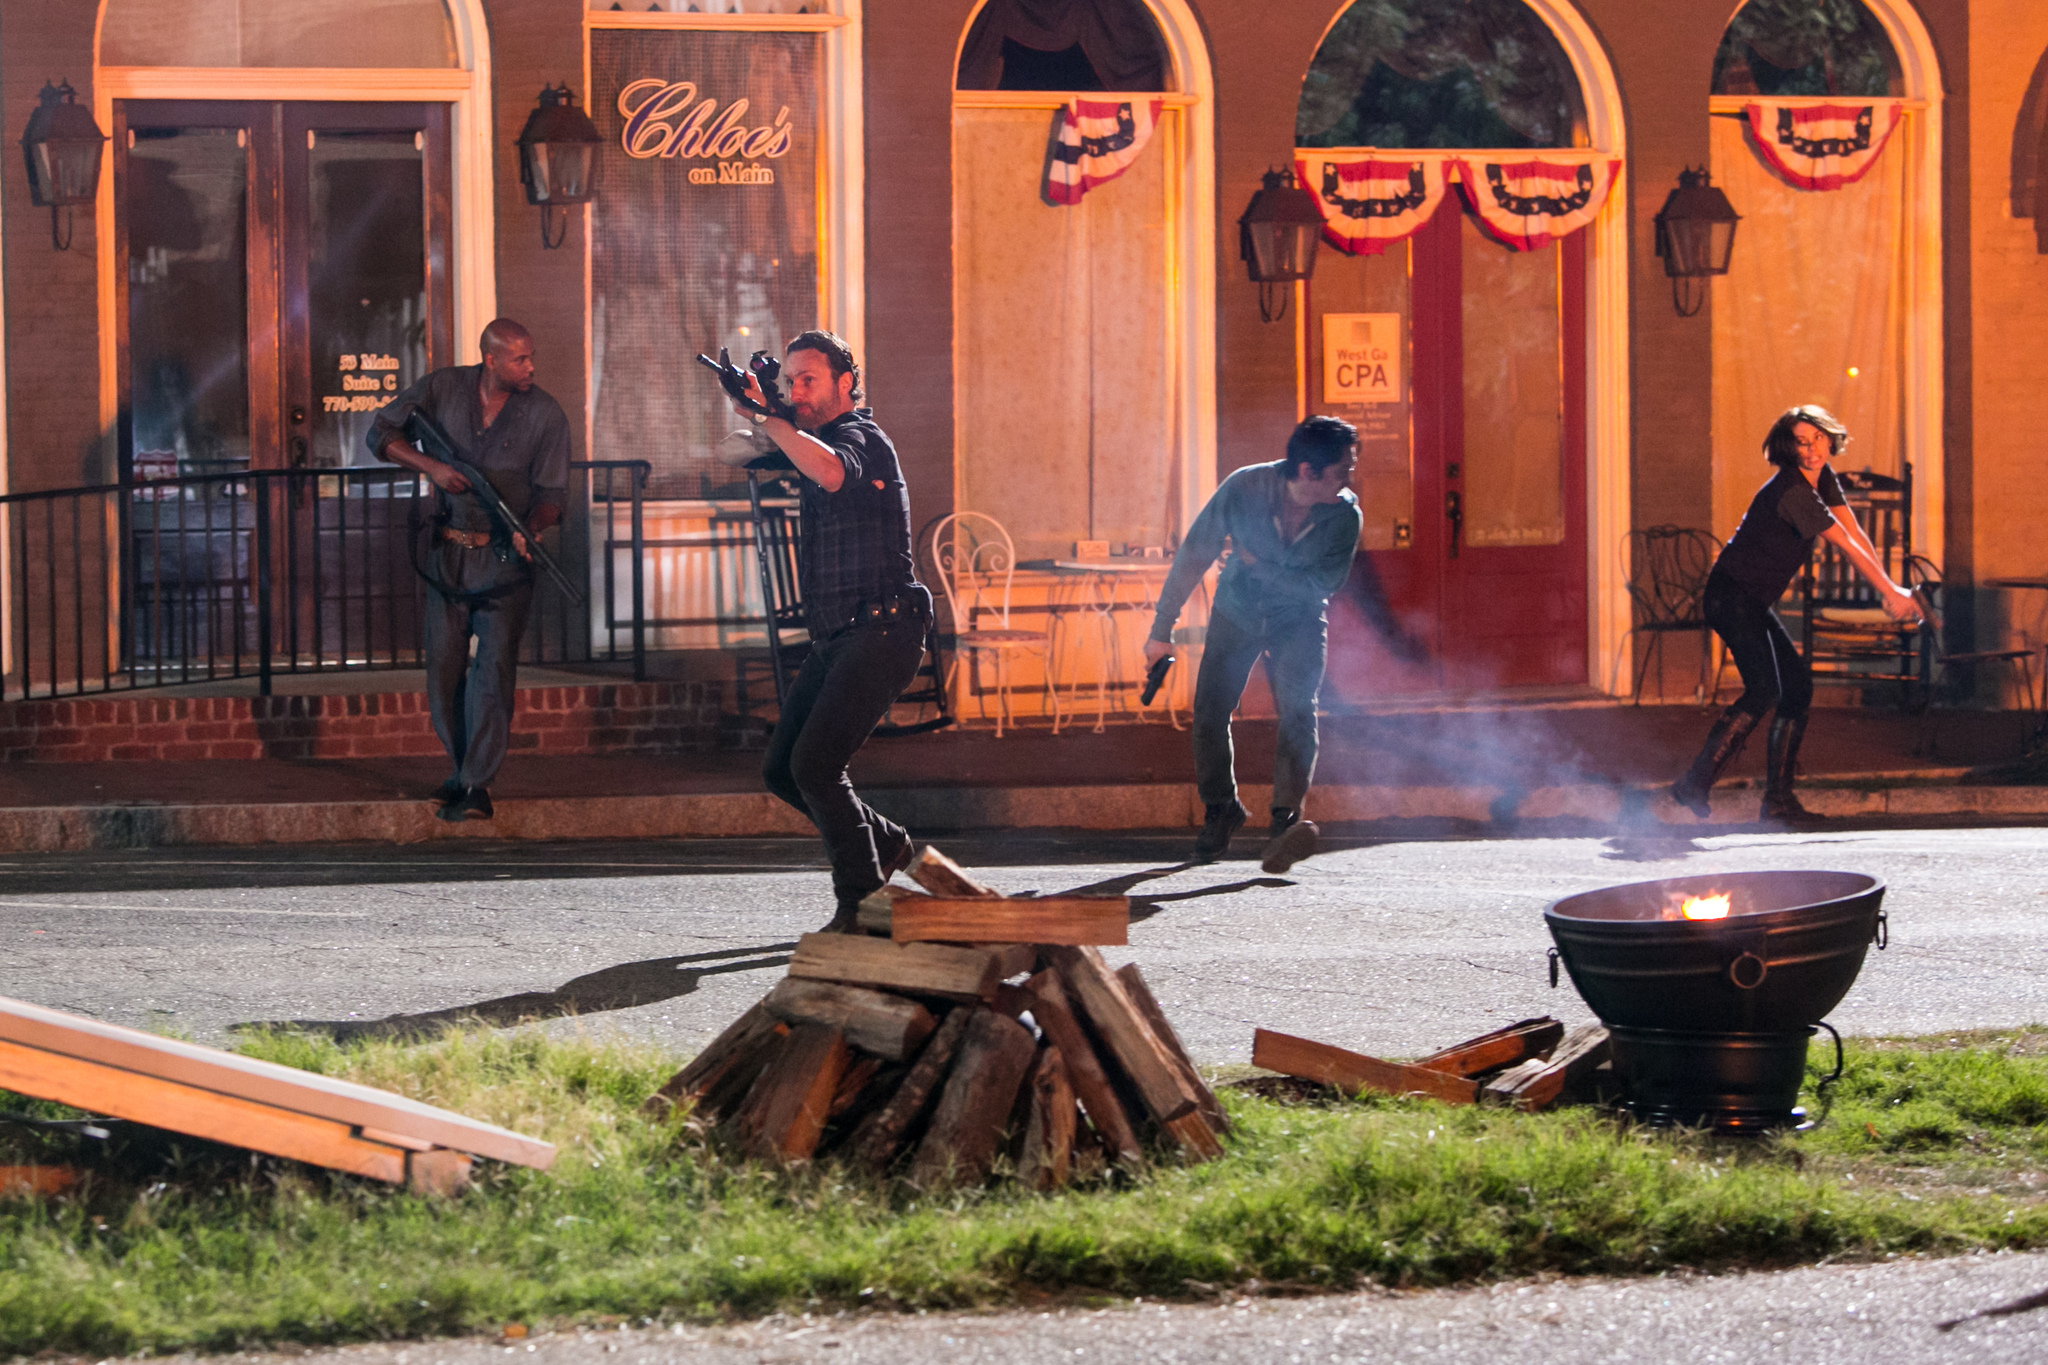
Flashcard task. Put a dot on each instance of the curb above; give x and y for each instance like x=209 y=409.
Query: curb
x=58 y=829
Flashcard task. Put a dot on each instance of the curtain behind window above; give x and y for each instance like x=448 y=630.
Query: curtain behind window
x=1064 y=373
x=1813 y=290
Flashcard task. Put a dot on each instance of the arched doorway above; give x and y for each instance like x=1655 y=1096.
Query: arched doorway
x=292 y=188
x=1467 y=157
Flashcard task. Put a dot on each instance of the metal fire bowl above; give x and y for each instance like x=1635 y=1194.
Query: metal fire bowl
x=1786 y=954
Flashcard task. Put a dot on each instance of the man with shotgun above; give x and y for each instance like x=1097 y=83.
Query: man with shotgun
x=479 y=563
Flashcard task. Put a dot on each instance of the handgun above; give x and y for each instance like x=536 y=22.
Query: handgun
x=1155 y=678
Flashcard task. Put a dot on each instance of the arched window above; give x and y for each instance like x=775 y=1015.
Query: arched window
x=230 y=33
x=1806 y=47
x=1440 y=73
x=1068 y=307
x=1805 y=140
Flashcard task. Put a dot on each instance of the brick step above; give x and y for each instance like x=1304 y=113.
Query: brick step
x=598 y=718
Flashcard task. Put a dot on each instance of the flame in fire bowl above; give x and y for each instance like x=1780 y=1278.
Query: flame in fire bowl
x=1710 y=1016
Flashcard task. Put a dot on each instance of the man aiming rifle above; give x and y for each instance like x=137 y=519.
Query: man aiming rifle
x=512 y=433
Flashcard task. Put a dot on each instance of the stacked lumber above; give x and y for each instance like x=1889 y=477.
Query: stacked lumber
x=961 y=1033
x=1529 y=1066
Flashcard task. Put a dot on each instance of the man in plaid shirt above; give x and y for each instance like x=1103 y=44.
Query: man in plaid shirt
x=867 y=613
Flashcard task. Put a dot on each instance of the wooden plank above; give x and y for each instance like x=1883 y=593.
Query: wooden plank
x=1012 y=919
x=440 y=1172
x=1352 y=1071
x=1092 y=1086
x=703 y=1071
x=889 y=1026
x=99 y=1088
x=876 y=908
x=1141 y=996
x=859 y=1074
x=966 y=1131
x=1012 y=959
x=941 y=876
x=1195 y=1136
x=785 y=1112
x=921 y=968
x=1124 y=1032
x=1046 y=1161
x=1539 y=1082
x=1503 y=1047
x=266 y=1084
x=881 y=1134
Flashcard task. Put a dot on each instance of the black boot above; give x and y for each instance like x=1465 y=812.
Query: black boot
x=1290 y=840
x=1218 y=824
x=1781 y=766
x=1724 y=742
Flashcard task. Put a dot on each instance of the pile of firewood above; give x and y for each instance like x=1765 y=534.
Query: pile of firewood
x=1530 y=1066
x=959 y=1030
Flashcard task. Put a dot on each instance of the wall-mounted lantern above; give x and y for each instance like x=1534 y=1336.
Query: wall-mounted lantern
x=1695 y=236
x=558 y=158
x=63 y=147
x=1277 y=239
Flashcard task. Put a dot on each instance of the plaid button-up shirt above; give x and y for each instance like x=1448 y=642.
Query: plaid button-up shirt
x=856 y=542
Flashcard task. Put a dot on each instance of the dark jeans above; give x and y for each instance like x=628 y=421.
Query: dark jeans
x=841 y=693
x=1294 y=650
x=1773 y=674
x=470 y=699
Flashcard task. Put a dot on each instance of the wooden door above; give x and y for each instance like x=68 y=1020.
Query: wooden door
x=1472 y=475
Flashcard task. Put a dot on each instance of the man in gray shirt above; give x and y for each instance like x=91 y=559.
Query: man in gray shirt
x=516 y=436
x=1292 y=528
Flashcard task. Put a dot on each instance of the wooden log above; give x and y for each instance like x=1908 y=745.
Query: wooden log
x=689 y=1085
x=919 y=968
x=1539 y=1082
x=1014 y=1001
x=941 y=876
x=858 y=1074
x=1046 y=1161
x=1124 y=1032
x=966 y=1131
x=1141 y=996
x=1012 y=959
x=1352 y=1071
x=724 y=1095
x=889 y=1026
x=1503 y=1047
x=1092 y=1086
x=881 y=1134
x=785 y=1112
x=1012 y=919
x=873 y=914
x=1195 y=1136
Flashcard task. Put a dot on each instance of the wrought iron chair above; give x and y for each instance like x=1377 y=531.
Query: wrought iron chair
x=777 y=552
x=1668 y=568
x=1845 y=634
x=976 y=560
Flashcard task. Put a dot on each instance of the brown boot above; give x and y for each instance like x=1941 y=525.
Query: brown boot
x=1724 y=742
x=1781 y=760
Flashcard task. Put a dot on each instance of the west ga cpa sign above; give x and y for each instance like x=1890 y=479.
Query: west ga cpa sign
x=669 y=119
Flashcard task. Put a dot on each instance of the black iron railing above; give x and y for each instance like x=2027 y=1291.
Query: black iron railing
x=256 y=573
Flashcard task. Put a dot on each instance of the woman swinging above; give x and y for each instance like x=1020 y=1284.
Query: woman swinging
x=1802 y=503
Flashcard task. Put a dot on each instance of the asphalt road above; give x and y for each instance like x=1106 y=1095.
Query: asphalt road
x=1389 y=946
x=1891 y=1314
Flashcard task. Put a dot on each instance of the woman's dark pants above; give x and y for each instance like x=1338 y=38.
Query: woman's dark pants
x=840 y=694
x=1773 y=674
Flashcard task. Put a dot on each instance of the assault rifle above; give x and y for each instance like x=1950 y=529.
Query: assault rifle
x=433 y=442
x=733 y=380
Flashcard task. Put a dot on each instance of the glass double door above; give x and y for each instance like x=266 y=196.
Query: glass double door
x=1463 y=365
x=287 y=271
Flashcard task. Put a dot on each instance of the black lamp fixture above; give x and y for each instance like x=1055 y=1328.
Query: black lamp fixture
x=63 y=147
x=558 y=158
x=1695 y=236
x=1277 y=239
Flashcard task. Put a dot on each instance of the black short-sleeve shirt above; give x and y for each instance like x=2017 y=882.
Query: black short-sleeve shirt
x=1776 y=536
x=856 y=542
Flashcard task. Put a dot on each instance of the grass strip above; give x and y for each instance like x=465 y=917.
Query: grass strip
x=1932 y=1145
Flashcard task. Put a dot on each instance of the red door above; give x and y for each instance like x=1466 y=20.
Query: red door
x=1472 y=469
